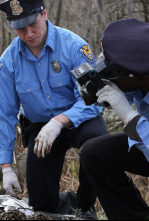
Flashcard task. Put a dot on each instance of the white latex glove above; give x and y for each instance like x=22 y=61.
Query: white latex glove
x=118 y=101
x=10 y=181
x=46 y=137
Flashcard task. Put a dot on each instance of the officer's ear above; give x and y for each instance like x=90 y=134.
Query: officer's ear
x=44 y=12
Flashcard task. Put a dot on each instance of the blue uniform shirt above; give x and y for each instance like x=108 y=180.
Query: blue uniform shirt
x=43 y=92
x=142 y=104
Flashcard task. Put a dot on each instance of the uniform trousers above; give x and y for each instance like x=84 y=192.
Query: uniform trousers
x=43 y=175
x=105 y=161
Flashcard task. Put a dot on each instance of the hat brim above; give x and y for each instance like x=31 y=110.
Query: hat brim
x=22 y=23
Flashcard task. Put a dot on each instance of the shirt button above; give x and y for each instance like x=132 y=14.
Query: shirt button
x=38 y=64
x=43 y=81
x=29 y=90
x=60 y=84
x=49 y=97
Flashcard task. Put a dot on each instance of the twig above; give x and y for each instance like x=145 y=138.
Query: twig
x=116 y=126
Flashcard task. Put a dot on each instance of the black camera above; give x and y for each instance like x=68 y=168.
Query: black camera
x=92 y=79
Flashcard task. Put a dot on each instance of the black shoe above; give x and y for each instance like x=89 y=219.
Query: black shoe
x=88 y=214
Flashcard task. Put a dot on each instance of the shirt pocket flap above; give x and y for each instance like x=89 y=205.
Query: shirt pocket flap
x=28 y=87
x=59 y=81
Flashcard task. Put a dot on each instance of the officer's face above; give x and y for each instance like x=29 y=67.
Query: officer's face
x=128 y=84
x=34 y=35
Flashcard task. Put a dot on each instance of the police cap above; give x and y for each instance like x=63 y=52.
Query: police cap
x=126 y=46
x=21 y=13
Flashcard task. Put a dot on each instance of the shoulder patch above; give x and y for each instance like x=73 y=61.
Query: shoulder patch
x=85 y=50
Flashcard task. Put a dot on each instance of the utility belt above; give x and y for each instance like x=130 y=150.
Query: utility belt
x=27 y=127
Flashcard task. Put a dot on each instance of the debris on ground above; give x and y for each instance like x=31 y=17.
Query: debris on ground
x=14 y=209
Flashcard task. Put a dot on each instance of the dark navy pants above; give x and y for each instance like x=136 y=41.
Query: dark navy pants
x=43 y=175
x=105 y=160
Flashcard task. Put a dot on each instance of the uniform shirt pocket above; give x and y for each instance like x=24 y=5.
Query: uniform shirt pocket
x=59 y=81
x=30 y=94
x=27 y=88
x=61 y=87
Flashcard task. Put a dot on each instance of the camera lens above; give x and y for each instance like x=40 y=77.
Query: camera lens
x=92 y=74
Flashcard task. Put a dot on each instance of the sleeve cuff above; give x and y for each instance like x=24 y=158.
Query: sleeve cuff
x=6 y=157
x=131 y=130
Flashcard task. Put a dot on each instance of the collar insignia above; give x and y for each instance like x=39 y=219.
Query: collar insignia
x=56 y=67
x=16 y=8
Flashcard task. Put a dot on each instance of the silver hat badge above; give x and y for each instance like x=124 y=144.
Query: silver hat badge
x=16 y=8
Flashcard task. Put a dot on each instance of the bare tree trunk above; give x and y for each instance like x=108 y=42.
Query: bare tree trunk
x=129 y=8
x=146 y=9
x=3 y=32
x=101 y=12
x=58 y=13
x=100 y=4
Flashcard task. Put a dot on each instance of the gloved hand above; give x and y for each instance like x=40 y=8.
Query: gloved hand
x=10 y=181
x=46 y=137
x=118 y=101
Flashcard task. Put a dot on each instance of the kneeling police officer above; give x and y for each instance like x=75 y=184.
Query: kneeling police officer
x=105 y=159
x=35 y=71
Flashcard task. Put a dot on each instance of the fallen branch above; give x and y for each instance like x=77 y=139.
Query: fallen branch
x=116 y=126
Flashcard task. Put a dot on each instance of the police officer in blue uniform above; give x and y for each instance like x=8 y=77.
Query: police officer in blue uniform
x=105 y=159
x=35 y=71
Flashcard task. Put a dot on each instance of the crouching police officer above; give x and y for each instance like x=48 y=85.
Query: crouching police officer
x=35 y=70
x=105 y=159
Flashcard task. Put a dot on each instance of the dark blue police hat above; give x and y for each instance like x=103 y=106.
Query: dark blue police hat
x=126 y=46
x=21 y=13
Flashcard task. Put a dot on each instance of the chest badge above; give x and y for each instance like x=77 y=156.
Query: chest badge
x=16 y=8
x=56 y=67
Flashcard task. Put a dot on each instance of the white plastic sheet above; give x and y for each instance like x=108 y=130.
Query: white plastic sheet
x=8 y=203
